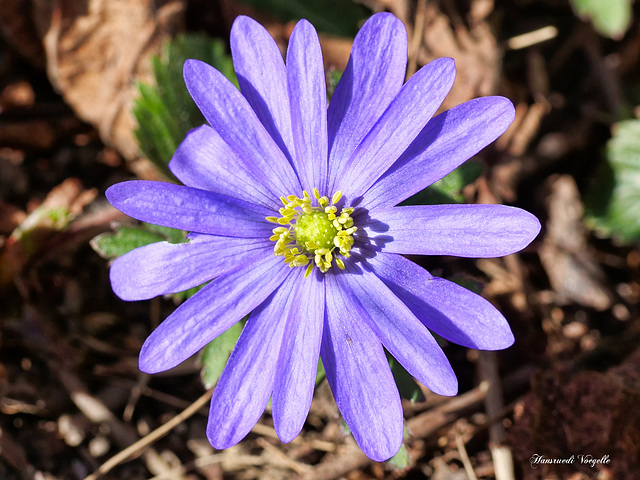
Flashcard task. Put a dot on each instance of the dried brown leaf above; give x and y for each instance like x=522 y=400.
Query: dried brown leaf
x=98 y=50
x=572 y=270
x=474 y=49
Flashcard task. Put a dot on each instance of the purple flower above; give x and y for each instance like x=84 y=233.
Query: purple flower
x=292 y=209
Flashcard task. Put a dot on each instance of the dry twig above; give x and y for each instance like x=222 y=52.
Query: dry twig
x=416 y=38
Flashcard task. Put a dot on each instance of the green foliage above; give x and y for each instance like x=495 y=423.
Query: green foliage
x=401 y=460
x=320 y=373
x=449 y=188
x=215 y=355
x=165 y=112
x=180 y=297
x=333 y=77
x=407 y=386
x=610 y=17
x=171 y=235
x=613 y=204
x=337 y=17
x=468 y=282
x=111 y=245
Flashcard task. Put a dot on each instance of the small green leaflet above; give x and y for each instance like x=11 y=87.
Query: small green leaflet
x=407 y=386
x=216 y=353
x=165 y=112
x=613 y=203
x=401 y=460
x=610 y=18
x=449 y=188
x=320 y=373
x=337 y=17
x=333 y=76
x=111 y=245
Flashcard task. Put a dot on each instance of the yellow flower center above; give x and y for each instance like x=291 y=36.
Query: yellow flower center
x=312 y=235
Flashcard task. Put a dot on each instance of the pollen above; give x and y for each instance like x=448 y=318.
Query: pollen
x=311 y=235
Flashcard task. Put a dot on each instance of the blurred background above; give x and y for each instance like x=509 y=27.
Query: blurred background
x=91 y=94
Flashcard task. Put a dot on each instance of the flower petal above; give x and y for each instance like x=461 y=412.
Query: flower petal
x=308 y=97
x=451 y=311
x=398 y=329
x=204 y=161
x=231 y=116
x=298 y=362
x=445 y=142
x=190 y=209
x=372 y=79
x=360 y=377
x=163 y=267
x=262 y=77
x=478 y=231
x=398 y=126
x=211 y=311
x=244 y=388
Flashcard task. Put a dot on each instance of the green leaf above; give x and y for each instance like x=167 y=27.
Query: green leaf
x=215 y=355
x=609 y=17
x=449 y=188
x=337 y=17
x=320 y=373
x=613 y=203
x=401 y=460
x=124 y=239
x=333 y=77
x=180 y=297
x=468 y=282
x=171 y=235
x=407 y=386
x=165 y=112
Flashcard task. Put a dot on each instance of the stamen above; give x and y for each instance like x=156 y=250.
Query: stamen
x=310 y=235
x=309 y=268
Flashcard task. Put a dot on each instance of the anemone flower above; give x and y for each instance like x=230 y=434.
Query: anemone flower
x=292 y=209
